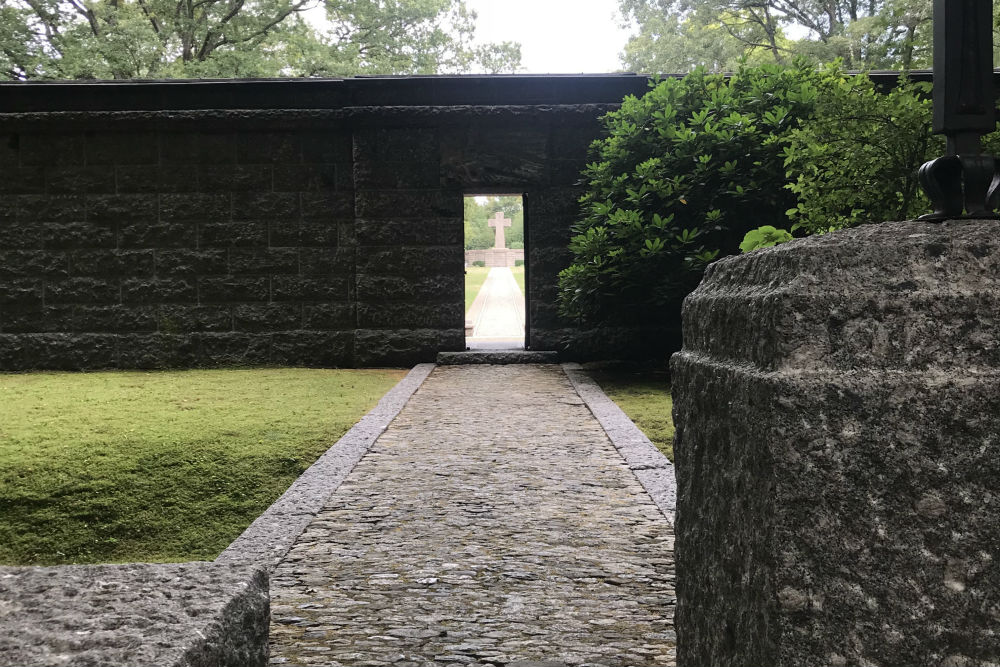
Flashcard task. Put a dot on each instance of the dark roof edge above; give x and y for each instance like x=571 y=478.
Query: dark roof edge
x=368 y=91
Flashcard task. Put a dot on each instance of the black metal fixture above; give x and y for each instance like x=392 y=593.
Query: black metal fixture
x=964 y=183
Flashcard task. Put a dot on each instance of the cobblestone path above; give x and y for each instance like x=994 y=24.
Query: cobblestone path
x=493 y=523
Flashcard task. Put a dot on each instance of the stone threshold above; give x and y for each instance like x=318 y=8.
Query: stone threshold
x=497 y=357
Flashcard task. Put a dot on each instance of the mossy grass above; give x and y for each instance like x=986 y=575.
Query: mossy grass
x=160 y=466
x=644 y=395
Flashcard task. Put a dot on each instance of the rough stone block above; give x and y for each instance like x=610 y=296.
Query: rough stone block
x=180 y=319
x=182 y=148
x=414 y=231
x=214 y=207
x=21 y=292
x=324 y=233
x=159 y=290
x=35 y=318
x=66 y=351
x=52 y=208
x=159 y=350
x=415 y=203
x=21 y=235
x=419 y=289
x=310 y=288
x=121 y=148
x=243 y=234
x=80 y=180
x=62 y=235
x=113 y=263
x=305 y=177
x=404 y=347
x=157 y=235
x=405 y=261
x=326 y=261
x=191 y=262
x=22 y=180
x=327 y=205
x=118 y=208
x=267 y=317
x=268 y=147
x=233 y=288
x=388 y=174
x=142 y=615
x=114 y=319
x=228 y=349
x=329 y=316
x=235 y=178
x=411 y=315
x=264 y=260
x=82 y=290
x=313 y=348
x=10 y=145
x=167 y=179
x=326 y=147
x=33 y=264
x=50 y=148
x=488 y=155
x=837 y=407
x=266 y=206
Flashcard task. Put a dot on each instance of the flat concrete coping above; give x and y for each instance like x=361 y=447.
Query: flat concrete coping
x=137 y=615
x=269 y=538
x=653 y=470
x=487 y=356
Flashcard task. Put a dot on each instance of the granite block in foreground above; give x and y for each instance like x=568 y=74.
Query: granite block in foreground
x=837 y=405
x=140 y=615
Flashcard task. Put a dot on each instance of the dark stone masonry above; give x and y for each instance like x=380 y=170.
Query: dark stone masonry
x=309 y=222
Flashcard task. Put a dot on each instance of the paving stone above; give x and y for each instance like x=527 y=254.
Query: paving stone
x=493 y=523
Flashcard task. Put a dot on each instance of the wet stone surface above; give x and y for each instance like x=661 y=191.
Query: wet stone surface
x=493 y=523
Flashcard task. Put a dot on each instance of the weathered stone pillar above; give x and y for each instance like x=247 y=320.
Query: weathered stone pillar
x=838 y=452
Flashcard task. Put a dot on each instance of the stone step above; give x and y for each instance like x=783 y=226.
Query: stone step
x=497 y=357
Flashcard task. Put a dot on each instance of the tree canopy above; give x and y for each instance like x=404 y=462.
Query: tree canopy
x=674 y=36
x=136 y=39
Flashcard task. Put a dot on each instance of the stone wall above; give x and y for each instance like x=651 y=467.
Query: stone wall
x=494 y=257
x=285 y=222
x=837 y=405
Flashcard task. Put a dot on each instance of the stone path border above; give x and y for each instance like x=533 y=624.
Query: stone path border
x=269 y=538
x=653 y=470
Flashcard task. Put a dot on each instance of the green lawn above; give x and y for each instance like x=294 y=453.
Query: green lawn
x=160 y=466
x=645 y=397
x=475 y=276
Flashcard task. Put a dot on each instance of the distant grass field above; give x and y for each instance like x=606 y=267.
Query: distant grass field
x=160 y=466
x=645 y=397
x=475 y=276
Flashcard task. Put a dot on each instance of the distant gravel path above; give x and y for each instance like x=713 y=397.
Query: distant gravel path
x=493 y=523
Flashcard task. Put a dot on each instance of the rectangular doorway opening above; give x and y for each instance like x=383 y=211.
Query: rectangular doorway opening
x=495 y=272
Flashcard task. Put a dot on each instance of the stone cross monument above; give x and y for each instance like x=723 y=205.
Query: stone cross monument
x=498 y=222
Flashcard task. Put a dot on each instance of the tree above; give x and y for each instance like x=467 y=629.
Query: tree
x=862 y=33
x=479 y=235
x=128 y=39
x=683 y=173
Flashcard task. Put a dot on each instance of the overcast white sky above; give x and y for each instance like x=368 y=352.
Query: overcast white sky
x=557 y=36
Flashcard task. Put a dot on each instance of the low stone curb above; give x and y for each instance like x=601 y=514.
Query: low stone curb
x=653 y=470
x=269 y=538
